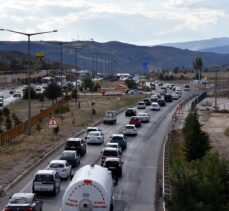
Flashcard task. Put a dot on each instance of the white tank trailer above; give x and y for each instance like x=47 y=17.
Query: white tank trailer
x=91 y=189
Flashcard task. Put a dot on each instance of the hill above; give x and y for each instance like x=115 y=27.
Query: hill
x=199 y=45
x=118 y=57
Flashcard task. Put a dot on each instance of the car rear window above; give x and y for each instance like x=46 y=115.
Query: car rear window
x=44 y=178
x=111 y=163
x=129 y=127
x=56 y=165
x=109 y=153
x=20 y=200
x=67 y=155
x=73 y=143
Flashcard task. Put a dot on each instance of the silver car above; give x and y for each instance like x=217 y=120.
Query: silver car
x=144 y=117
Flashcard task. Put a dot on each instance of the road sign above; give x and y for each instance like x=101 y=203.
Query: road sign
x=179 y=109
x=145 y=65
x=53 y=123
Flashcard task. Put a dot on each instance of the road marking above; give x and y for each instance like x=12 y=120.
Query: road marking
x=22 y=190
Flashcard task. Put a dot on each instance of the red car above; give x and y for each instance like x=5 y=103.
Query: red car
x=134 y=120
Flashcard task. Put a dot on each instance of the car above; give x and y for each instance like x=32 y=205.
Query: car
x=175 y=96
x=187 y=87
x=161 y=102
x=39 y=90
x=171 y=86
x=110 y=117
x=109 y=152
x=147 y=101
x=131 y=112
x=120 y=139
x=95 y=137
x=114 y=145
x=130 y=130
x=179 y=93
x=71 y=156
x=17 y=94
x=77 y=144
x=155 y=107
x=154 y=98
x=12 y=91
x=63 y=168
x=163 y=90
x=141 y=105
x=134 y=120
x=46 y=181
x=135 y=92
x=114 y=164
x=89 y=129
x=168 y=98
x=144 y=117
x=25 y=202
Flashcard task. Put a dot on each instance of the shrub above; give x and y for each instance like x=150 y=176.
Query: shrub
x=62 y=109
x=6 y=111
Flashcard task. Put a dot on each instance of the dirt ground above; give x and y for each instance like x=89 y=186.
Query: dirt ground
x=24 y=150
x=215 y=125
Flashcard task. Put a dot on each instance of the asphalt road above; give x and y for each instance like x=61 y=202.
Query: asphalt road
x=136 y=189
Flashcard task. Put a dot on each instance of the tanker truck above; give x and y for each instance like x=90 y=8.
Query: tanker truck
x=91 y=189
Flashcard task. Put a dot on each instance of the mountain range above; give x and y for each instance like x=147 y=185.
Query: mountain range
x=215 y=45
x=121 y=57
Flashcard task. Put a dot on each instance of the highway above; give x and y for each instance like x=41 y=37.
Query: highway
x=136 y=189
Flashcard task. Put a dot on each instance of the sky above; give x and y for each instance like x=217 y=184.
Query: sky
x=140 y=22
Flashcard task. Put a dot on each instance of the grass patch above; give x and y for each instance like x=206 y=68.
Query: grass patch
x=226 y=132
x=176 y=147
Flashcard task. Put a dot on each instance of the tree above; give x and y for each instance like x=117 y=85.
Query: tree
x=75 y=94
x=202 y=185
x=131 y=84
x=87 y=83
x=15 y=119
x=196 y=141
x=53 y=91
x=198 y=65
x=8 y=123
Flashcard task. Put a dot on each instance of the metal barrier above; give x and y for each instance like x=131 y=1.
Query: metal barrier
x=22 y=127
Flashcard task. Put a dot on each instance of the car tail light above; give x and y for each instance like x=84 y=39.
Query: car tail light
x=7 y=209
x=65 y=170
x=29 y=209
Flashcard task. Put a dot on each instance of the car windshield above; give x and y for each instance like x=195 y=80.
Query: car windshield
x=20 y=200
x=56 y=165
x=44 y=178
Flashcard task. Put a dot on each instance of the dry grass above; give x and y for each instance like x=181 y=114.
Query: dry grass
x=226 y=132
x=25 y=150
x=176 y=146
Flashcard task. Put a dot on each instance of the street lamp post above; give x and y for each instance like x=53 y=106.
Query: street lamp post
x=29 y=73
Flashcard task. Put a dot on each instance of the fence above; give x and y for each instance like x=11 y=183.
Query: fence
x=22 y=127
x=198 y=99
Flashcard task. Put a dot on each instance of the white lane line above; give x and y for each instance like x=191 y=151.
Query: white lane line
x=22 y=190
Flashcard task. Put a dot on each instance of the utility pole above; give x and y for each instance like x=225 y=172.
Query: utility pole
x=216 y=88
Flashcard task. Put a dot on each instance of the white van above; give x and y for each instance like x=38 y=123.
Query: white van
x=46 y=181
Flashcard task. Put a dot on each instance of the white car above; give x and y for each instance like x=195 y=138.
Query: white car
x=141 y=105
x=90 y=129
x=144 y=117
x=155 y=107
x=39 y=90
x=95 y=137
x=130 y=130
x=63 y=168
x=175 y=96
x=114 y=145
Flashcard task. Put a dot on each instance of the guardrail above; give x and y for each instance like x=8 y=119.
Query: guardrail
x=166 y=187
x=22 y=127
